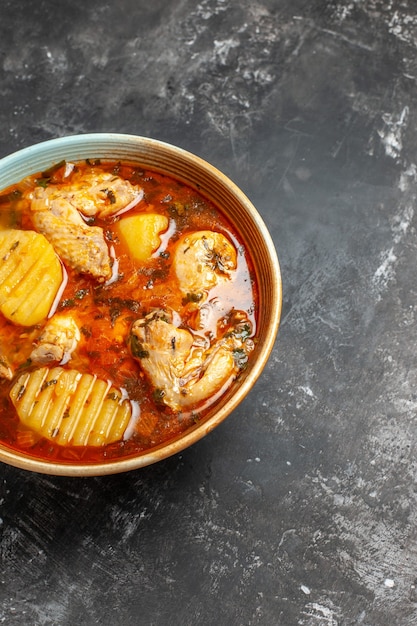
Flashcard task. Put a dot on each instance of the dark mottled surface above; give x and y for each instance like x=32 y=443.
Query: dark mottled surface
x=300 y=509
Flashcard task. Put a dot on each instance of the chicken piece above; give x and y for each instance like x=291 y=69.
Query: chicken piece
x=81 y=246
x=96 y=194
x=50 y=199
x=203 y=259
x=185 y=369
x=57 y=341
x=5 y=369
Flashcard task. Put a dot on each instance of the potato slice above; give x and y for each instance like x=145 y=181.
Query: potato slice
x=141 y=233
x=30 y=276
x=71 y=408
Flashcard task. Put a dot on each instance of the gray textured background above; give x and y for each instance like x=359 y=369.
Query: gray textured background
x=300 y=509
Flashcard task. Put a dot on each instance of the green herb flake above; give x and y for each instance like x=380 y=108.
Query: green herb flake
x=68 y=302
x=81 y=293
x=193 y=297
x=240 y=357
x=243 y=331
x=137 y=349
x=54 y=168
x=21 y=392
x=11 y=249
x=158 y=395
x=111 y=197
x=195 y=417
x=48 y=383
x=43 y=182
x=7 y=198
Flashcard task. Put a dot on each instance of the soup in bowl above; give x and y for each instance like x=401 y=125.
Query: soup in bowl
x=140 y=298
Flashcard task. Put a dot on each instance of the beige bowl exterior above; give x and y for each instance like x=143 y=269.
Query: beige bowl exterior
x=180 y=164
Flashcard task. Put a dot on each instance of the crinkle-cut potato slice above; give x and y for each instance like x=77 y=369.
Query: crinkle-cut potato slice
x=71 y=408
x=30 y=276
x=141 y=233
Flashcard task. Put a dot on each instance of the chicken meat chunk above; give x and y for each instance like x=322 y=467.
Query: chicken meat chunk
x=186 y=369
x=5 y=368
x=81 y=246
x=202 y=259
x=57 y=341
x=96 y=194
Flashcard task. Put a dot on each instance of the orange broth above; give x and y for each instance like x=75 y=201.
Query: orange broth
x=105 y=312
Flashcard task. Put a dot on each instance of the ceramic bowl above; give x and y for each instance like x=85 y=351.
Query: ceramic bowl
x=178 y=163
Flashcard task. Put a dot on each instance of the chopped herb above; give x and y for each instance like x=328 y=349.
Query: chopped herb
x=81 y=293
x=68 y=302
x=10 y=197
x=137 y=348
x=193 y=297
x=93 y=354
x=114 y=314
x=87 y=332
x=43 y=182
x=158 y=395
x=11 y=249
x=54 y=168
x=243 y=331
x=21 y=392
x=113 y=396
x=66 y=414
x=48 y=383
x=114 y=347
x=136 y=176
x=240 y=357
x=159 y=273
x=111 y=196
x=110 y=236
x=118 y=303
x=177 y=208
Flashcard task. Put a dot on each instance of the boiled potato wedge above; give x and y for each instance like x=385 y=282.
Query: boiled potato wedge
x=141 y=233
x=30 y=276
x=68 y=407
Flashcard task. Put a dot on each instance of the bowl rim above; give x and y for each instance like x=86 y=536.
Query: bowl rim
x=28 y=160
